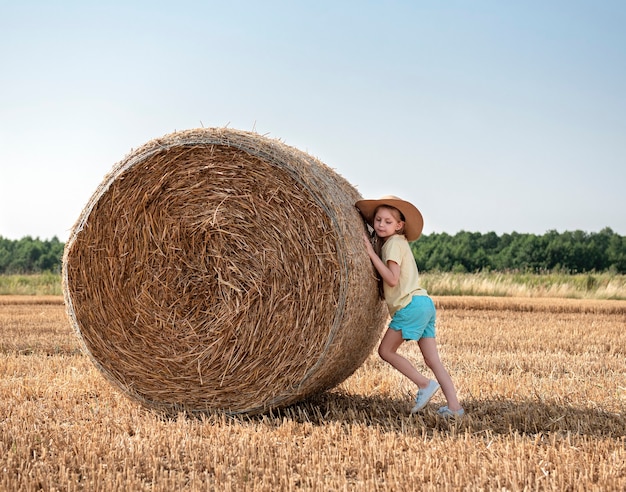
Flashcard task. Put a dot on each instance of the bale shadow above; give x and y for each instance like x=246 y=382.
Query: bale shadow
x=494 y=416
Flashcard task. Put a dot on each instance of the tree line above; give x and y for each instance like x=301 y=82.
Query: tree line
x=571 y=252
x=28 y=255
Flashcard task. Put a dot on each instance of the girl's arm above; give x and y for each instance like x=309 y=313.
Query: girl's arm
x=389 y=272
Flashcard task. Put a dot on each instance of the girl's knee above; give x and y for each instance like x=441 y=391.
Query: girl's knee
x=383 y=353
x=430 y=353
x=432 y=362
x=389 y=344
x=386 y=353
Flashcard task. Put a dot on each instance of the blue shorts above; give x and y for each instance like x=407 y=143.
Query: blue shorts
x=417 y=320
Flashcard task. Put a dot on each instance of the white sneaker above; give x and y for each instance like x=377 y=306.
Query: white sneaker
x=424 y=395
x=447 y=413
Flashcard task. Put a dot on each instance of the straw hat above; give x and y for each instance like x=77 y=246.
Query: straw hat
x=413 y=222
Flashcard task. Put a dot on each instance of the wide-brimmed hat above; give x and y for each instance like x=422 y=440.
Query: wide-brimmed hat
x=413 y=220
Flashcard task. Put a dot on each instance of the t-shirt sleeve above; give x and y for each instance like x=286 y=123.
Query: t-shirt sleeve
x=393 y=252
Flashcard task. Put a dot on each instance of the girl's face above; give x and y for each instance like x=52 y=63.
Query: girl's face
x=387 y=222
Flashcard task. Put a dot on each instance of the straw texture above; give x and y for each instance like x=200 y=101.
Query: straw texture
x=215 y=269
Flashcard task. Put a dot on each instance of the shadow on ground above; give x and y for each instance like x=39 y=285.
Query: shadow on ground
x=497 y=416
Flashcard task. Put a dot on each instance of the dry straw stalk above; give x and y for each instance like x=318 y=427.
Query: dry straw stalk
x=216 y=269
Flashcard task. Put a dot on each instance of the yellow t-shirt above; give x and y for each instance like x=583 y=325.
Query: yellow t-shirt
x=396 y=248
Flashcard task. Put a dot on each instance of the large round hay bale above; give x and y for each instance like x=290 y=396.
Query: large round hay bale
x=216 y=269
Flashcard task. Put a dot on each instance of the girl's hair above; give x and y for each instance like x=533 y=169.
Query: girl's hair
x=396 y=213
x=377 y=244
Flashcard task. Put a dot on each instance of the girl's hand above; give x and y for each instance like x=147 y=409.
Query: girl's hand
x=389 y=272
x=368 y=244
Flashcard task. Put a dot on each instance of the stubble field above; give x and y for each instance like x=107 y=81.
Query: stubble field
x=543 y=382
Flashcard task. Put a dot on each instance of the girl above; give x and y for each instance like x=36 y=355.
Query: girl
x=396 y=222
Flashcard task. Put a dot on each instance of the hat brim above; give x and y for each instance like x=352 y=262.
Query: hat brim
x=413 y=223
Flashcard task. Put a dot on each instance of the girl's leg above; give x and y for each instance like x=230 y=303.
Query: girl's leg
x=428 y=346
x=387 y=351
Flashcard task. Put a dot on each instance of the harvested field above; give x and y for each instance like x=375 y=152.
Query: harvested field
x=543 y=381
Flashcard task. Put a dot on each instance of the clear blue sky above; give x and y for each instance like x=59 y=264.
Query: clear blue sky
x=488 y=115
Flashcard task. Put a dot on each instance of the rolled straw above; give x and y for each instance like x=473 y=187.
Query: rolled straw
x=216 y=269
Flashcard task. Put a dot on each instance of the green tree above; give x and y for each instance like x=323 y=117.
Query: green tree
x=28 y=255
